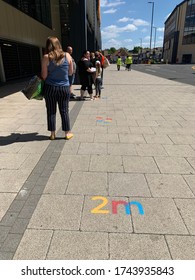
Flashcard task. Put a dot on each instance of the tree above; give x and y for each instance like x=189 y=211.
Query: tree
x=137 y=49
x=112 y=50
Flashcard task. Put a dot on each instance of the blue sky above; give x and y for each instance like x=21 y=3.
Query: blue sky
x=127 y=23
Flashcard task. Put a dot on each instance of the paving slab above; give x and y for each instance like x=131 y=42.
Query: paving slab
x=168 y=185
x=178 y=165
x=161 y=216
x=57 y=212
x=74 y=245
x=138 y=164
x=138 y=247
x=88 y=183
x=181 y=247
x=105 y=222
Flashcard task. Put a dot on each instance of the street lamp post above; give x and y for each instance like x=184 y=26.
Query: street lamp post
x=151 y=2
x=154 y=36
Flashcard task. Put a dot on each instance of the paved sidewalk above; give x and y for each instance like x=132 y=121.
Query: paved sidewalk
x=135 y=144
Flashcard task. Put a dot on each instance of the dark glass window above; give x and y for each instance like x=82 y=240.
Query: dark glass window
x=37 y=9
x=189 y=27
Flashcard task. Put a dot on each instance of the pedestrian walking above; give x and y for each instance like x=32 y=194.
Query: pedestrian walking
x=56 y=67
x=128 y=62
x=119 y=63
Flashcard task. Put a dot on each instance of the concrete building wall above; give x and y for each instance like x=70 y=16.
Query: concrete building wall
x=174 y=47
x=17 y=26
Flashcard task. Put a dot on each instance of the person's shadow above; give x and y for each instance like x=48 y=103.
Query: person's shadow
x=17 y=137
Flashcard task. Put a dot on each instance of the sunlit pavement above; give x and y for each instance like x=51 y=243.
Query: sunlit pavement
x=122 y=188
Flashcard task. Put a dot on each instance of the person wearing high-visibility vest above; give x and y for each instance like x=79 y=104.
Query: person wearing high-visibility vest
x=128 y=62
x=119 y=63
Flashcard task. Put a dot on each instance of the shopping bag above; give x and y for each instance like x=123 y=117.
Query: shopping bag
x=34 y=89
x=106 y=63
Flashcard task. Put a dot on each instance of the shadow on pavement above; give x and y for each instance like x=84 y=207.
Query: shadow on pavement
x=17 y=137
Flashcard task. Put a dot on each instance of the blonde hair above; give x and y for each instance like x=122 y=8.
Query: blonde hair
x=54 y=50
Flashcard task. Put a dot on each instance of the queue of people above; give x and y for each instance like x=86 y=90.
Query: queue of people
x=58 y=72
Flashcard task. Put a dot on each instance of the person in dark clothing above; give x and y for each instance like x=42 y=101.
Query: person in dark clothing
x=85 y=73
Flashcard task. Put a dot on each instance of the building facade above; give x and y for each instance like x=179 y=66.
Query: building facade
x=179 y=36
x=25 y=26
x=80 y=24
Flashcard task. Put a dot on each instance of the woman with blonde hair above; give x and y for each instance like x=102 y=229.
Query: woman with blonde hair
x=56 y=67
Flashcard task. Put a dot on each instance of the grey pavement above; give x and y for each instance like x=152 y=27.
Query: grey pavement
x=133 y=151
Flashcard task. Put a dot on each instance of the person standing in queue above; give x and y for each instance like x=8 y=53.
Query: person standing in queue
x=85 y=74
x=72 y=77
x=56 y=67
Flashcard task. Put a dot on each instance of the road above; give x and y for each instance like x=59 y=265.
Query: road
x=179 y=73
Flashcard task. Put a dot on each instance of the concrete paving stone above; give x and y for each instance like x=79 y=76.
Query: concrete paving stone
x=138 y=247
x=34 y=147
x=179 y=150
x=167 y=185
x=89 y=129
x=137 y=164
x=121 y=149
x=58 y=182
x=73 y=163
x=181 y=247
x=147 y=123
x=187 y=123
x=19 y=226
x=83 y=137
x=40 y=166
x=3 y=233
x=29 y=127
x=190 y=179
x=129 y=122
x=93 y=148
x=150 y=150
x=6 y=255
x=182 y=139
x=187 y=210
x=42 y=181
x=131 y=138
x=176 y=165
x=157 y=139
x=31 y=161
x=116 y=130
x=153 y=117
x=70 y=148
x=191 y=160
x=168 y=123
x=161 y=216
x=5 y=202
x=16 y=206
x=12 y=161
x=34 y=245
x=141 y=130
x=106 y=138
x=106 y=163
x=12 y=180
x=126 y=184
x=57 y=212
x=105 y=222
x=67 y=245
x=88 y=183
x=165 y=130
x=11 y=242
x=38 y=189
x=8 y=147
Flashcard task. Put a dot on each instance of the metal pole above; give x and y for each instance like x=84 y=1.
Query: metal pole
x=151 y=2
x=154 y=36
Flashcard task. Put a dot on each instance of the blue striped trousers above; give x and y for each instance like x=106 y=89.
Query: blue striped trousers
x=57 y=95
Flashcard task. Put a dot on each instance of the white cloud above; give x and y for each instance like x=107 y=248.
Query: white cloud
x=128 y=40
x=112 y=43
x=139 y=22
x=124 y=19
x=160 y=29
x=144 y=30
x=107 y=3
x=111 y=11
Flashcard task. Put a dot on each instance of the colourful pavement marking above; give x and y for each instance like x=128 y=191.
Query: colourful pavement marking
x=100 y=120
